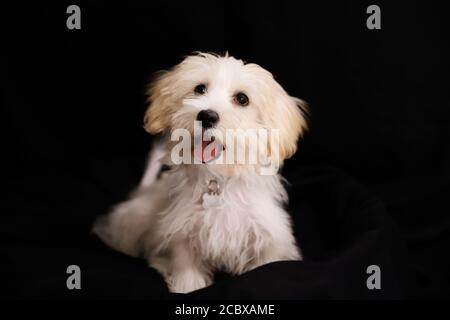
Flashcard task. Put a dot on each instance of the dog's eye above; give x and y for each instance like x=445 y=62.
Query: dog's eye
x=242 y=99
x=200 y=89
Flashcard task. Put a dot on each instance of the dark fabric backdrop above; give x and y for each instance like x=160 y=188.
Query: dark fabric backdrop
x=370 y=182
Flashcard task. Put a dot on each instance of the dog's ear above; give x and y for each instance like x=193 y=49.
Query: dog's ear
x=156 y=116
x=288 y=115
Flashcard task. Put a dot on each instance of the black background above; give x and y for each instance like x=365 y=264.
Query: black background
x=370 y=182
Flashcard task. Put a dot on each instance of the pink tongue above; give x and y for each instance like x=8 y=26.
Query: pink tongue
x=207 y=152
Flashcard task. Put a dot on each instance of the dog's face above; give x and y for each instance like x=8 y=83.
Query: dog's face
x=224 y=93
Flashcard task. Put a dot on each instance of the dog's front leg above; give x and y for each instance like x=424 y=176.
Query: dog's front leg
x=183 y=271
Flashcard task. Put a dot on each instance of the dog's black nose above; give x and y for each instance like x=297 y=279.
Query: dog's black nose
x=208 y=118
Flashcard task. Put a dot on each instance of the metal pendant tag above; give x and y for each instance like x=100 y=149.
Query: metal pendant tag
x=211 y=199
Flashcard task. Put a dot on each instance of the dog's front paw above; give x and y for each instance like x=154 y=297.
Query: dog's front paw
x=188 y=281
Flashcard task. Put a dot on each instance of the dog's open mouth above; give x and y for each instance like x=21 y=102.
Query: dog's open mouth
x=207 y=148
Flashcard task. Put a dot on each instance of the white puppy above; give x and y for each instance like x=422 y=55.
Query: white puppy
x=215 y=213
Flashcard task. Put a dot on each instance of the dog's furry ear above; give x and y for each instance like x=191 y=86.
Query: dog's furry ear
x=156 y=117
x=288 y=115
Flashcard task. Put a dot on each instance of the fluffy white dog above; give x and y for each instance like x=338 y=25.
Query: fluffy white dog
x=205 y=216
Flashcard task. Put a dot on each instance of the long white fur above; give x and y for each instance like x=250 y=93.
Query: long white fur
x=164 y=220
x=154 y=164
